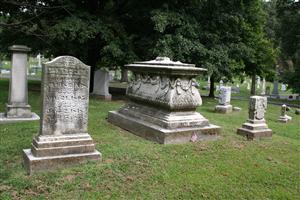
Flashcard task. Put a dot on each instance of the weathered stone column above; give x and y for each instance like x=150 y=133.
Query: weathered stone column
x=17 y=108
x=163 y=99
x=224 y=100
x=256 y=126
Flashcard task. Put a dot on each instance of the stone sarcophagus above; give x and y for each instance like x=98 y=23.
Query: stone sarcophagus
x=163 y=100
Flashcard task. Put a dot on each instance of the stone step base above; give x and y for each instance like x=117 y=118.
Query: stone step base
x=253 y=134
x=161 y=135
x=6 y=120
x=223 y=109
x=34 y=164
x=57 y=151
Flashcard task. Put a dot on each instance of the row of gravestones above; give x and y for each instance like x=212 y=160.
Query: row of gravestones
x=224 y=105
x=163 y=99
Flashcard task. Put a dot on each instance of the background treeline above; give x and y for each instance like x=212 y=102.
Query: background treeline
x=231 y=38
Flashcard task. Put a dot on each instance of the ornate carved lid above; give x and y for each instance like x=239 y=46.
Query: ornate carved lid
x=165 y=65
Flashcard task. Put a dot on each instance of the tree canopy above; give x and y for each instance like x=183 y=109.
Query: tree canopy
x=227 y=37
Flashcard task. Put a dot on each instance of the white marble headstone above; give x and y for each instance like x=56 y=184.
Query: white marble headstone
x=225 y=95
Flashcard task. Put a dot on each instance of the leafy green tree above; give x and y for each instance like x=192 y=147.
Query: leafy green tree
x=288 y=13
x=87 y=29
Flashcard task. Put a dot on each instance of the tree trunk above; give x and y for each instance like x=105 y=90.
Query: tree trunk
x=92 y=61
x=212 y=86
x=124 y=77
x=252 y=92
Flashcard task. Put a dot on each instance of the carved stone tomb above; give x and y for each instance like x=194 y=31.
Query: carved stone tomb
x=163 y=100
x=63 y=138
x=224 y=100
x=256 y=126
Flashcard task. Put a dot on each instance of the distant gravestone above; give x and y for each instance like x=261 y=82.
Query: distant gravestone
x=256 y=126
x=224 y=100
x=101 y=84
x=248 y=86
x=63 y=137
x=258 y=82
x=275 y=89
x=283 y=87
x=17 y=108
x=263 y=87
x=284 y=118
x=268 y=90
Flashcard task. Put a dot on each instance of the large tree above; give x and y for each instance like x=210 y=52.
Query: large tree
x=288 y=13
x=87 y=29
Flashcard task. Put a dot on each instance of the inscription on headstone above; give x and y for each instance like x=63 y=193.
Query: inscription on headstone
x=63 y=137
x=65 y=100
x=224 y=100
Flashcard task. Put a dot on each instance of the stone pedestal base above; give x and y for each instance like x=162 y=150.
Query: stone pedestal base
x=18 y=111
x=223 y=109
x=50 y=152
x=254 y=130
x=5 y=120
x=105 y=97
x=284 y=119
x=162 y=126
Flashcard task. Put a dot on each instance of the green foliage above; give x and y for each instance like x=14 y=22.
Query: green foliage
x=288 y=13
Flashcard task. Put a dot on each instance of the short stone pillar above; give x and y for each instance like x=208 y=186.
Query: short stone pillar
x=101 y=84
x=256 y=126
x=284 y=118
x=163 y=99
x=63 y=139
x=224 y=101
x=17 y=108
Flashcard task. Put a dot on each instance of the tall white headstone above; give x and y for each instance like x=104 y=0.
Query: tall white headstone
x=63 y=138
x=224 y=100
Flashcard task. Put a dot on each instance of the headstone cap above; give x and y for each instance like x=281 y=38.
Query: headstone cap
x=19 y=48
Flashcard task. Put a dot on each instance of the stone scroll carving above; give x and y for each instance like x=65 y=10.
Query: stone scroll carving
x=171 y=93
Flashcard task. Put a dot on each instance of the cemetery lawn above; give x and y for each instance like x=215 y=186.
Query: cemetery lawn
x=134 y=168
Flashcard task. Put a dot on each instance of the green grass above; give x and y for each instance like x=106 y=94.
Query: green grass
x=133 y=168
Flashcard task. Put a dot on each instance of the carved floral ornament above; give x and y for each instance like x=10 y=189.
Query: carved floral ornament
x=258 y=107
x=163 y=83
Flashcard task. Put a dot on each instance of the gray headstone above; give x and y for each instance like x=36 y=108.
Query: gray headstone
x=225 y=95
x=275 y=88
x=224 y=100
x=101 y=84
x=65 y=96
